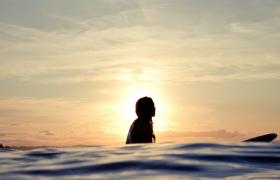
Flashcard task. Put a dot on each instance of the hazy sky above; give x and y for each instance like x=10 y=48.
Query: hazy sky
x=71 y=70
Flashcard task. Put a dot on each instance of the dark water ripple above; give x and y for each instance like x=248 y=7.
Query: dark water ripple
x=157 y=161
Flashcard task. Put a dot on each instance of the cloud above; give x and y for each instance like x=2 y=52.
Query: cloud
x=47 y=133
x=113 y=44
x=52 y=15
x=265 y=29
x=10 y=134
x=216 y=134
x=221 y=134
x=110 y=59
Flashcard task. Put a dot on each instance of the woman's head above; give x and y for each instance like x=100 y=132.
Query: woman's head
x=145 y=107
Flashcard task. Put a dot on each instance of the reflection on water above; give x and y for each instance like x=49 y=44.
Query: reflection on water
x=157 y=161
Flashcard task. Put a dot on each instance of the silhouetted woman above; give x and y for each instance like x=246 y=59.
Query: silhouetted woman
x=141 y=130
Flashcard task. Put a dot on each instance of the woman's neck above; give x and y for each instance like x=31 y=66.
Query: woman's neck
x=144 y=118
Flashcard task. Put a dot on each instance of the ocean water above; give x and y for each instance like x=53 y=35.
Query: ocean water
x=147 y=161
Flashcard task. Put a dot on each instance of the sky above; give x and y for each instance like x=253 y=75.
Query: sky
x=72 y=70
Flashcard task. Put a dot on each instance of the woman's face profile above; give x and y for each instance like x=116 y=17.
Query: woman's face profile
x=154 y=112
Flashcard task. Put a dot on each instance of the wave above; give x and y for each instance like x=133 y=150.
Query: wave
x=205 y=160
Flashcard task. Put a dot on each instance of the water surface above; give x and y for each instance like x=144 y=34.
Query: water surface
x=149 y=161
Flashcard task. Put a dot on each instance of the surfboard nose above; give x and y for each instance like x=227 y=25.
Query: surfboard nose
x=264 y=138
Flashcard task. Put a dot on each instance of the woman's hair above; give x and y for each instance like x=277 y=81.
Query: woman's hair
x=145 y=107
